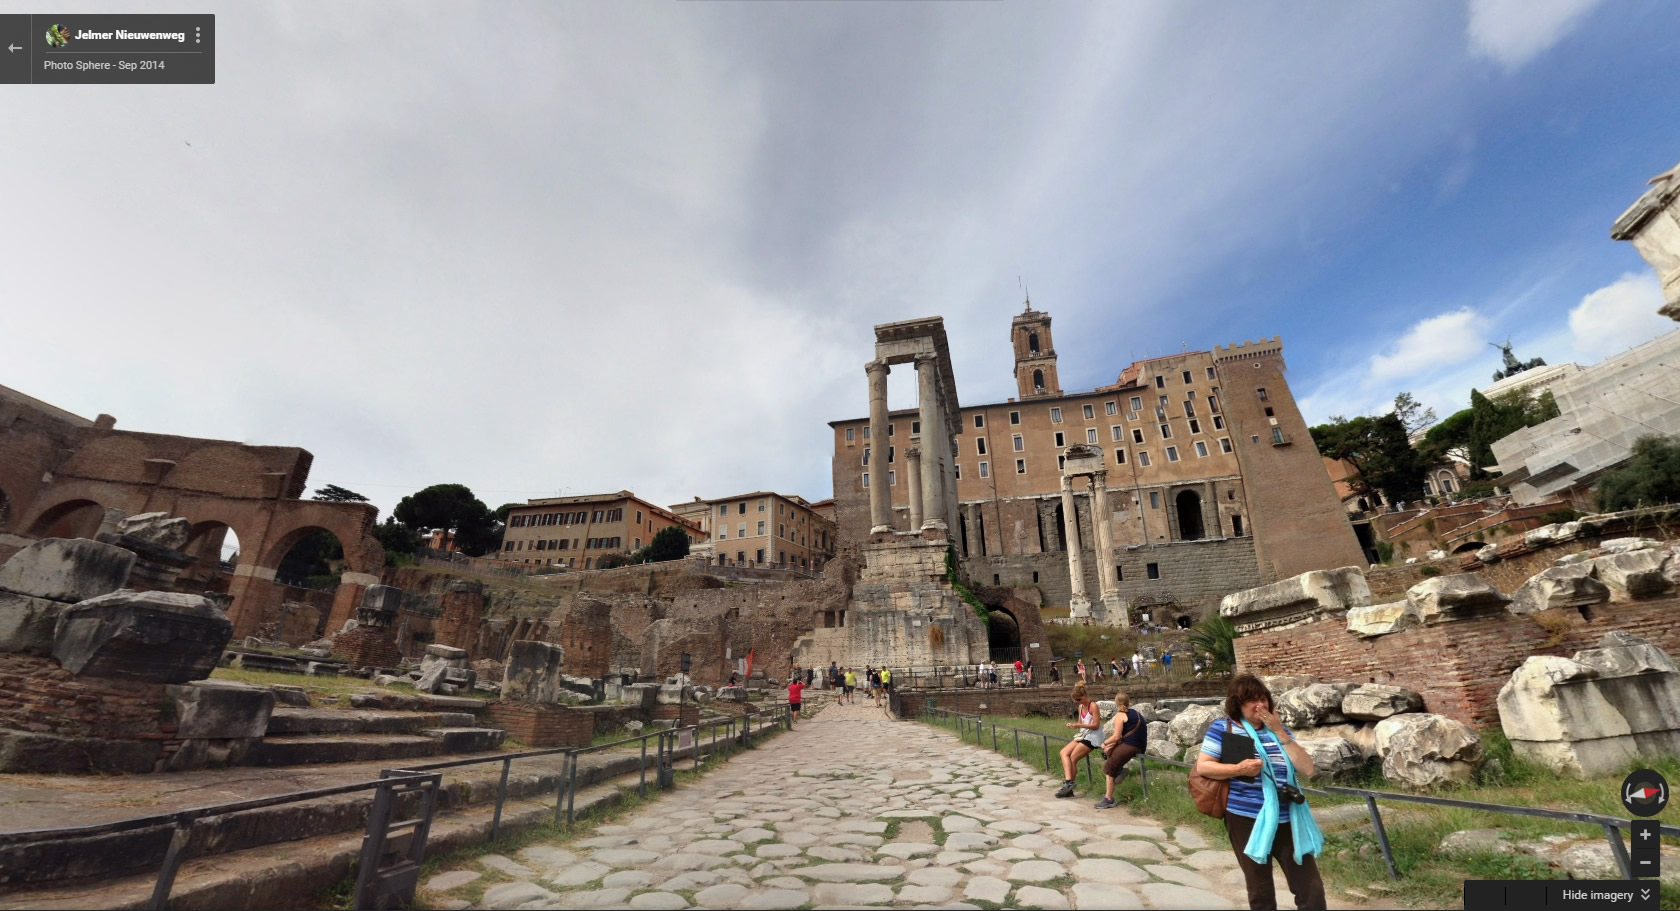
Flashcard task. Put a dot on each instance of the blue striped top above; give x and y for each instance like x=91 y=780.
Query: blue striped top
x=1247 y=797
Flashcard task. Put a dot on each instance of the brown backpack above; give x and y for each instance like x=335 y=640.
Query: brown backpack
x=1210 y=794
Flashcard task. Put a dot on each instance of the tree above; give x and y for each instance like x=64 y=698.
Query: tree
x=333 y=493
x=1650 y=476
x=1216 y=637
x=612 y=561
x=454 y=508
x=670 y=544
x=1450 y=439
x=1413 y=415
x=399 y=540
x=1492 y=420
x=1380 y=453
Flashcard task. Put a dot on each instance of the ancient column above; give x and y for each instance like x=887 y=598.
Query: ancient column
x=933 y=423
x=913 y=471
x=1113 y=608
x=880 y=495
x=1079 y=606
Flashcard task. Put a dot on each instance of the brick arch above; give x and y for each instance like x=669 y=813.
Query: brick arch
x=72 y=517
x=205 y=542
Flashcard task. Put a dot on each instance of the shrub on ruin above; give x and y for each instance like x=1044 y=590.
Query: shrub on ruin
x=612 y=561
x=1216 y=637
x=670 y=544
x=1650 y=476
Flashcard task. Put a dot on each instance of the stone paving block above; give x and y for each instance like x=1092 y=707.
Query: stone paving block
x=1172 y=895
x=960 y=824
x=1014 y=826
x=693 y=879
x=510 y=895
x=726 y=895
x=507 y=865
x=624 y=857
x=628 y=879
x=753 y=834
x=836 y=855
x=443 y=882
x=1108 y=870
x=1209 y=860
x=1040 y=897
x=926 y=894
x=1181 y=876
x=1102 y=895
x=1010 y=855
x=904 y=850
x=987 y=889
x=1128 y=830
x=852 y=894
x=952 y=858
x=1130 y=848
x=936 y=876
x=659 y=901
x=547 y=857
x=785 y=882
x=1036 y=871
x=849 y=873
x=714 y=846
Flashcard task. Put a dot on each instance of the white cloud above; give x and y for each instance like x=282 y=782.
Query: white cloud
x=1438 y=341
x=1514 y=32
x=1618 y=316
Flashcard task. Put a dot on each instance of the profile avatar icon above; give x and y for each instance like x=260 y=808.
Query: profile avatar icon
x=57 y=35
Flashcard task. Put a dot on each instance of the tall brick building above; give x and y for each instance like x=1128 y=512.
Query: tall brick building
x=1213 y=482
x=577 y=531
x=761 y=528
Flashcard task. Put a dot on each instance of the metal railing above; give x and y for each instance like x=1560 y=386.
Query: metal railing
x=427 y=776
x=976 y=726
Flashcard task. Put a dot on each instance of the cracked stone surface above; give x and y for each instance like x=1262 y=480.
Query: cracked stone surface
x=873 y=813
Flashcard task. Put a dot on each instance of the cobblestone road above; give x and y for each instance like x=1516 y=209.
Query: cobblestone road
x=855 y=809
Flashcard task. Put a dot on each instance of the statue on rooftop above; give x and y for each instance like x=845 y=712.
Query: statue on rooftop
x=1513 y=366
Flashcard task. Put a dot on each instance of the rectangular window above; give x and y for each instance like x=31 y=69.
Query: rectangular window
x=1059 y=440
x=1143 y=457
x=1090 y=412
x=1055 y=415
x=1014 y=417
x=1160 y=382
x=866 y=456
x=956 y=470
x=866 y=480
x=849 y=433
x=723 y=530
x=1154 y=499
x=890 y=429
x=638 y=517
x=891 y=453
x=915 y=428
x=1218 y=422
x=1137 y=434
x=866 y=433
x=980 y=444
x=761 y=526
x=1172 y=453
x=1189 y=409
x=1110 y=407
x=1262 y=393
x=1254 y=437
x=1166 y=432
x=723 y=509
x=1119 y=456
x=1154 y=570
x=1090 y=434
x=1210 y=374
x=1277 y=436
x=985 y=470
x=759 y=558
x=781 y=530
x=1061 y=461
x=979 y=421
x=1213 y=404
x=741 y=508
x=1269 y=411
x=1018 y=444
x=741 y=530
x=1137 y=403
x=1195 y=426
x=1020 y=466
x=1201 y=449
x=892 y=478
x=1116 y=433
x=1224 y=444
x=1186 y=377
x=1119 y=576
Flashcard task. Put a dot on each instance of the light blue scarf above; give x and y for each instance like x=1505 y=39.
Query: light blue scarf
x=1309 y=839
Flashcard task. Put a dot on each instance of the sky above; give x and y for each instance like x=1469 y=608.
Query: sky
x=563 y=248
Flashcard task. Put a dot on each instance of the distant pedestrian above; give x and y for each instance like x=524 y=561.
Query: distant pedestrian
x=1096 y=671
x=1118 y=667
x=1079 y=669
x=850 y=692
x=1166 y=662
x=810 y=676
x=993 y=674
x=796 y=695
x=980 y=674
x=1137 y=664
x=1019 y=669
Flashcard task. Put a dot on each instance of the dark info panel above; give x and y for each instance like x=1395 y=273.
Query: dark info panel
x=108 y=49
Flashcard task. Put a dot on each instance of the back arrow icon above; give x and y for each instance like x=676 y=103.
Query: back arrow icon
x=13 y=48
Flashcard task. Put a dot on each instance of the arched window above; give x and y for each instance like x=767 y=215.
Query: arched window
x=1038 y=379
x=1032 y=342
x=1189 y=515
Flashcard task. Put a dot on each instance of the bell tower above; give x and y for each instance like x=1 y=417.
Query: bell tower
x=1035 y=355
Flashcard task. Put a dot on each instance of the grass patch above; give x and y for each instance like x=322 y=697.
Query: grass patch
x=325 y=686
x=1352 y=858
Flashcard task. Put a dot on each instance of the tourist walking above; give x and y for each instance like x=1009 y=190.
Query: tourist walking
x=850 y=692
x=796 y=695
x=1166 y=662
x=1128 y=736
x=1096 y=671
x=1079 y=669
x=1266 y=815
x=1087 y=737
x=1019 y=669
x=1137 y=664
x=1122 y=669
x=980 y=673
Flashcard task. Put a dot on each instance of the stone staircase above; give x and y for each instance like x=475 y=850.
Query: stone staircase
x=305 y=736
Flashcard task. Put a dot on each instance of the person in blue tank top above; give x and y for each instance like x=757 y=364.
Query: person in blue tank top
x=1259 y=796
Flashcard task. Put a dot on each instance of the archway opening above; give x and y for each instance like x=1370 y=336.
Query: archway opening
x=1032 y=342
x=1003 y=636
x=1469 y=547
x=1038 y=379
x=70 y=519
x=216 y=547
x=1189 y=515
x=314 y=560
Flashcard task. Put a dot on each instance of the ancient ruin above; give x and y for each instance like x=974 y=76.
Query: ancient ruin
x=1652 y=224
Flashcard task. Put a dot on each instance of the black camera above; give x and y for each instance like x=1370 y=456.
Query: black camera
x=1290 y=793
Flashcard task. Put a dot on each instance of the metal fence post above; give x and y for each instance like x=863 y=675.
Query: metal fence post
x=171 y=865
x=1046 y=751
x=571 y=786
x=1382 y=836
x=1614 y=834
x=1143 y=774
x=642 y=785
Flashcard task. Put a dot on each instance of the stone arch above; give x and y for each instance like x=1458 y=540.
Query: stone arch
x=1032 y=347
x=1188 y=505
x=77 y=517
x=1469 y=547
x=1038 y=379
x=204 y=542
x=1003 y=635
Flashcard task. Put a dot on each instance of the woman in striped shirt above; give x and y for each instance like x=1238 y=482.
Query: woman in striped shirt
x=1249 y=700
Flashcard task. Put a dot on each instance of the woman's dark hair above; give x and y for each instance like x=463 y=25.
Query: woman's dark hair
x=1246 y=688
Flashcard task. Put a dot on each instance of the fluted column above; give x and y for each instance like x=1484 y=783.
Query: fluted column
x=913 y=471
x=1079 y=606
x=1113 y=607
x=880 y=495
x=933 y=423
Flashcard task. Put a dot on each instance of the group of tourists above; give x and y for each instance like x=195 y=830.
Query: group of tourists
x=987 y=674
x=844 y=681
x=1247 y=773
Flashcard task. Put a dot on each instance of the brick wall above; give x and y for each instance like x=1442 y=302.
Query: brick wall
x=1457 y=666
x=1193 y=574
x=39 y=696
x=544 y=725
x=366 y=647
x=689 y=713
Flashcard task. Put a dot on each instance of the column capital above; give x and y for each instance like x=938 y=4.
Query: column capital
x=912 y=452
x=1067 y=484
x=926 y=359
x=872 y=367
x=1099 y=478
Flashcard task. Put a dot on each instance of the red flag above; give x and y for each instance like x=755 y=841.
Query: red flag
x=748 y=675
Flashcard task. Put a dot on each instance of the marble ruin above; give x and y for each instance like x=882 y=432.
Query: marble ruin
x=1652 y=224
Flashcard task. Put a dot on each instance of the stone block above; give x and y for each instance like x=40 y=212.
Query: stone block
x=447 y=653
x=1628 y=545
x=1446 y=598
x=157 y=528
x=220 y=710
x=1333 y=756
x=1296 y=600
x=1425 y=751
x=1621 y=654
x=1314 y=705
x=1570 y=585
x=1285 y=682
x=53 y=755
x=1382 y=619
x=1634 y=573
x=533 y=672
x=674 y=695
x=1376 y=701
x=1552 y=534
x=431 y=679
x=1191 y=725
x=382 y=598
x=726 y=694
x=66 y=569
x=166 y=637
x=27 y=623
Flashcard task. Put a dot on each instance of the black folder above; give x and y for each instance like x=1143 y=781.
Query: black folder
x=1235 y=748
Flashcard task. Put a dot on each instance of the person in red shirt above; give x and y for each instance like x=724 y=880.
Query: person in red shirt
x=1019 y=670
x=796 y=694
